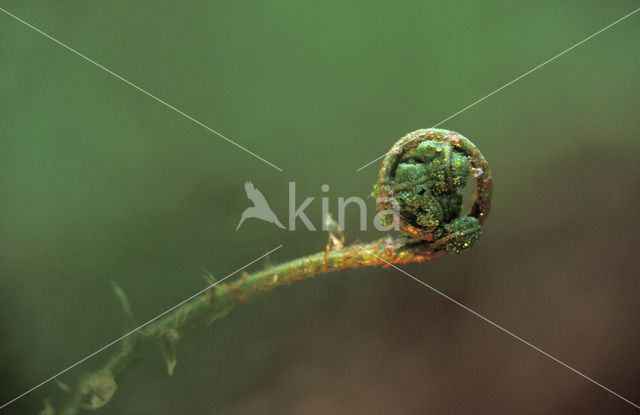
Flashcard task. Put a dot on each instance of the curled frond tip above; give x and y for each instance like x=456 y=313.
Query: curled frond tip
x=424 y=174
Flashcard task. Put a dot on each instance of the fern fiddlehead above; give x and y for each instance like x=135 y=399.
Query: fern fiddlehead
x=424 y=173
x=422 y=176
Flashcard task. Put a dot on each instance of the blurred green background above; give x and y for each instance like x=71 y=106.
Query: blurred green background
x=98 y=182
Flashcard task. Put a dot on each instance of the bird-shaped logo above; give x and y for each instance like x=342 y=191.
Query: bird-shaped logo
x=260 y=208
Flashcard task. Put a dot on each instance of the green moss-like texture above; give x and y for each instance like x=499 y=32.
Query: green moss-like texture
x=425 y=174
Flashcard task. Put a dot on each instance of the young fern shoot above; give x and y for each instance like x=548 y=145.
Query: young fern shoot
x=420 y=185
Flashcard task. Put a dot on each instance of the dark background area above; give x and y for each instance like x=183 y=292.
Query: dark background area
x=98 y=182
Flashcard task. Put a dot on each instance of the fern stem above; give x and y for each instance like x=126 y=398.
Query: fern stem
x=222 y=298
